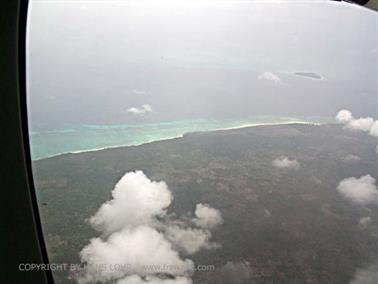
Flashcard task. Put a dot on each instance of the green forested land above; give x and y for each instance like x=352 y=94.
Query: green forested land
x=290 y=226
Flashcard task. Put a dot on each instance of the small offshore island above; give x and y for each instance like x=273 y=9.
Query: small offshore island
x=281 y=225
x=310 y=75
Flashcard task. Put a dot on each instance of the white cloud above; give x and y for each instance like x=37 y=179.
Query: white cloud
x=145 y=108
x=368 y=275
x=374 y=129
x=351 y=158
x=344 y=116
x=136 y=279
x=138 y=92
x=140 y=243
x=366 y=124
x=270 y=76
x=286 y=163
x=136 y=200
x=362 y=124
x=360 y=190
x=364 y=222
x=141 y=250
x=191 y=240
x=207 y=217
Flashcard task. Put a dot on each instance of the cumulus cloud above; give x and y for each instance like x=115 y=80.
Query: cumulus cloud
x=191 y=240
x=207 y=217
x=351 y=158
x=142 y=251
x=360 y=190
x=136 y=279
x=344 y=116
x=136 y=200
x=366 y=124
x=270 y=76
x=368 y=275
x=142 y=110
x=362 y=124
x=364 y=222
x=140 y=243
x=374 y=129
x=138 y=92
x=286 y=163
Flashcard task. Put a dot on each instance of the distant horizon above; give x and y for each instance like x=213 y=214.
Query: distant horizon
x=133 y=62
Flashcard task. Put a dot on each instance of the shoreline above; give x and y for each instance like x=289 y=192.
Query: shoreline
x=267 y=124
x=181 y=136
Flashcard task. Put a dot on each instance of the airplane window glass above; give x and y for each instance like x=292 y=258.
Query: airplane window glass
x=205 y=141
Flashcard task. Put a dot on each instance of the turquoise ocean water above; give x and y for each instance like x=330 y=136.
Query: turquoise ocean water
x=94 y=137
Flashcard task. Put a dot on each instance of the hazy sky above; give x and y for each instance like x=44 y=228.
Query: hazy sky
x=100 y=62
